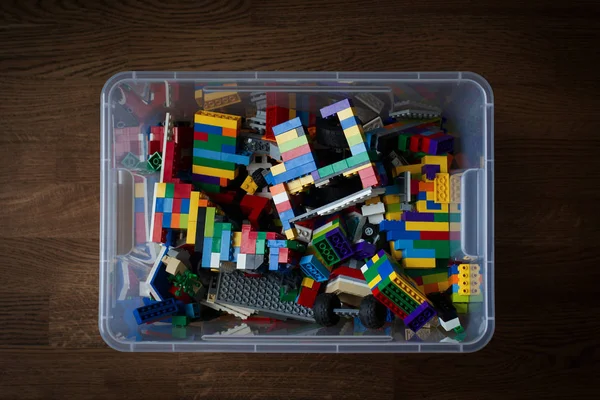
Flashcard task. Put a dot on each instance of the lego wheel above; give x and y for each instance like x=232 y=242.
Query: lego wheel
x=323 y=309
x=330 y=135
x=372 y=313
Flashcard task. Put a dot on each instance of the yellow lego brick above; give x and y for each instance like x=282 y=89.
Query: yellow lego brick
x=441 y=188
x=373 y=200
x=413 y=169
x=443 y=286
x=160 y=189
x=139 y=190
x=393 y=216
x=291 y=234
x=375 y=258
x=406 y=287
x=308 y=282
x=249 y=186
x=287 y=136
x=237 y=239
x=292 y=113
x=217 y=95
x=292 y=100
x=418 y=262
x=293 y=186
x=442 y=161
x=307 y=180
x=427 y=226
x=353 y=131
x=430 y=196
x=391 y=199
x=355 y=170
x=221 y=173
x=278 y=169
x=191 y=233
x=346 y=113
x=193 y=214
x=422 y=207
x=396 y=254
x=374 y=282
x=218 y=119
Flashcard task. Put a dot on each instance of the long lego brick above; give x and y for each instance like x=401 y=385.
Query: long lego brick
x=295 y=173
x=389 y=304
x=427 y=226
x=209 y=129
x=155 y=311
x=335 y=108
x=287 y=126
x=441 y=217
x=397 y=295
x=419 y=317
x=296 y=152
x=218 y=119
x=235 y=158
x=299 y=161
x=292 y=144
x=419 y=262
x=199 y=229
x=209 y=227
x=418 y=253
x=326 y=251
x=340 y=244
x=207 y=246
x=441 y=247
x=290 y=135
x=417 y=216
x=402 y=235
x=216 y=140
x=196 y=169
x=207 y=162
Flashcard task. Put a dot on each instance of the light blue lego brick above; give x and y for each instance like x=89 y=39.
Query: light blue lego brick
x=227 y=148
x=212 y=155
x=454 y=288
x=313 y=268
x=273 y=263
x=358 y=148
x=213 y=130
x=206 y=252
x=236 y=253
x=418 y=253
x=235 y=158
x=349 y=122
x=422 y=196
x=225 y=245
x=393 y=189
x=401 y=244
x=287 y=126
x=286 y=215
x=295 y=173
x=167 y=205
x=276 y=244
x=298 y=161
x=432 y=205
x=269 y=178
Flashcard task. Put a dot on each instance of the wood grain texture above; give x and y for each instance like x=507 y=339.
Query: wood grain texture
x=54 y=59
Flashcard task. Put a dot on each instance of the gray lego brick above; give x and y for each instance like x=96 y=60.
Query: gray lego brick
x=260 y=293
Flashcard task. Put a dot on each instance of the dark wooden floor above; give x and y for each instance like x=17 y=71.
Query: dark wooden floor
x=56 y=55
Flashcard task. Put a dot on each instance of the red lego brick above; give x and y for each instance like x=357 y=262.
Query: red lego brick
x=414 y=186
x=202 y=136
x=176 y=205
x=154 y=146
x=157 y=133
x=297 y=152
x=248 y=245
x=435 y=235
x=424 y=146
x=275 y=116
x=273 y=236
x=388 y=303
x=183 y=191
x=284 y=256
x=257 y=205
x=253 y=235
x=156 y=233
x=281 y=207
x=347 y=271
x=414 y=143
x=308 y=296
x=168 y=161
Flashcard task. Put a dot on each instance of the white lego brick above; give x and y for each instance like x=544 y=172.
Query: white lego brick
x=303 y=234
x=280 y=198
x=322 y=228
x=215 y=260
x=373 y=209
x=144 y=289
x=375 y=219
x=241 y=261
x=449 y=325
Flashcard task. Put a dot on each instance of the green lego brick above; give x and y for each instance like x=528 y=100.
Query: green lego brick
x=291 y=295
x=206 y=162
x=209 y=188
x=415 y=273
x=326 y=252
x=216 y=245
x=459 y=298
x=155 y=161
x=183 y=221
x=340 y=166
x=454 y=217
x=461 y=308
x=395 y=294
x=354 y=140
x=420 y=154
x=395 y=207
x=441 y=247
x=198 y=144
x=217 y=230
x=209 y=226
x=170 y=191
x=261 y=235
x=296 y=246
x=440 y=217
x=226 y=226
x=292 y=144
x=403 y=141
x=180 y=320
x=334 y=225
x=325 y=171
x=358 y=159
x=260 y=246
x=371 y=273
x=373 y=156
x=435 y=278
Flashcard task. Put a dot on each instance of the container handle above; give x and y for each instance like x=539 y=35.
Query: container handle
x=125 y=212
x=471 y=201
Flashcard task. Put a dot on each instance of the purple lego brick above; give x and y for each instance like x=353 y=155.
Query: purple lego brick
x=417 y=216
x=430 y=170
x=335 y=107
x=315 y=175
x=419 y=317
x=206 y=179
x=340 y=243
x=441 y=145
x=364 y=249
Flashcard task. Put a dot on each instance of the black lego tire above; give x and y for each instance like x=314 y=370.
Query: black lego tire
x=323 y=309
x=372 y=313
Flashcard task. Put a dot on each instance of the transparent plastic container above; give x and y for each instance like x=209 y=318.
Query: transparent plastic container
x=467 y=104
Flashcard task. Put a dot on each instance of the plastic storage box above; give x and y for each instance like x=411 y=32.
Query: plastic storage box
x=133 y=101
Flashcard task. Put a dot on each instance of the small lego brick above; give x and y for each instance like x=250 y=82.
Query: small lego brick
x=325 y=171
x=346 y=113
x=372 y=209
x=293 y=144
x=349 y=122
x=419 y=317
x=289 y=135
x=335 y=108
x=418 y=262
x=296 y=152
x=286 y=126
x=278 y=169
x=314 y=269
x=357 y=147
x=290 y=233
x=355 y=130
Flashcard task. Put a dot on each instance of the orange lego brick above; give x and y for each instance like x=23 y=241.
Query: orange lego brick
x=426 y=186
x=230 y=132
x=276 y=189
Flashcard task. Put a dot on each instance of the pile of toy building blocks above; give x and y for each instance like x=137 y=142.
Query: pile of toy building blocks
x=304 y=212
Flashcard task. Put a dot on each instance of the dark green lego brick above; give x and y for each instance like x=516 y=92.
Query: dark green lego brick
x=170 y=191
x=326 y=251
x=291 y=295
x=402 y=299
x=440 y=217
x=208 y=187
x=198 y=144
x=206 y=162
x=261 y=235
x=441 y=247
x=218 y=229
x=296 y=246
x=403 y=141
x=216 y=244
x=399 y=301
x=180 y=320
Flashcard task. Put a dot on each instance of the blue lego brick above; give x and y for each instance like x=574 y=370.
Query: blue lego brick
x=227 y=148
x=235 y=158
x=225 y=246
x=185 y=206
x=399 y=235
x=192 y=310
x=206 y=252
x=419 y=317
x=166 y=221
x=349 y=122
x=160 y=204
x=269 y=178
x=387 y=225
x=213 y=130
x=276 y=244
x=432 y=205
x=139 y=205
x=393 y=189
x=295 y=173
x=236 y=253
x=313 y=268
x=168 y=205
x=298 y=161
x=304 y=117
x=402 y=244
x=155 y=311
x=454 y=288
x=385 y=269
x=453 y=269
x=358 y=149
x=211 y=155
x=418 y=253
x=287 y=126
x=273 y=263
x=422 y=196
